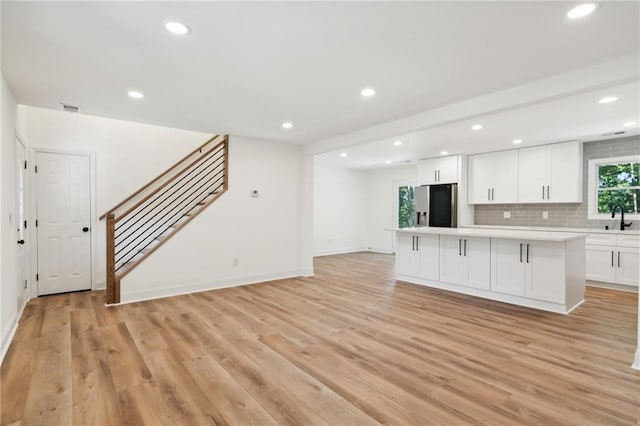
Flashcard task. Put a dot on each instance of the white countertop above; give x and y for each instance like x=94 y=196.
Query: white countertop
x=515 y=234
x=557 y=229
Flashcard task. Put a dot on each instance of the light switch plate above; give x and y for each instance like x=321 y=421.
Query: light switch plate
x=545 y=214
x=506 y=215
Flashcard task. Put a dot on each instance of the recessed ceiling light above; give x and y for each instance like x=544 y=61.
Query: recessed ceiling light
x=135 y=94
x=443 y=152
x=581 y=11
x=176 y=27
x=517 y=141
x=343 y=154
x=608 y=100
x=287 y=125
x=388 y=162
x=368 y=92
x=476 y=127
x=397 y=143
x=629 y=123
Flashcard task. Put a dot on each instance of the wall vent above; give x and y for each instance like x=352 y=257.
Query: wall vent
x=69 y=108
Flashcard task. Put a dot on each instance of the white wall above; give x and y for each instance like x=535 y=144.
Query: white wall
x=8 y=247
x=339 y=210
x=262 y=233
x=353 y=207
x=382 y=203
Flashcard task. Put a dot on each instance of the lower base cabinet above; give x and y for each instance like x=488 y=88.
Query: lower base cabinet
x=533 y=269
x=418 y=255
x=465 y=261
x=612 y=264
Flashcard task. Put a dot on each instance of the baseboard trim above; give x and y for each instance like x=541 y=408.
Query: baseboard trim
x=612 y=286
x=636 y=363
x=341 y=251
x=198 y=286
x=7 y=337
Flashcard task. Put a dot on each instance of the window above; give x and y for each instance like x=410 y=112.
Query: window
x=405 y=206
x=614 y=181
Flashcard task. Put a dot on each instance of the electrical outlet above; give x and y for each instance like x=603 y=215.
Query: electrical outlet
x=235 y=261
x=506 y=215
x=545 y=214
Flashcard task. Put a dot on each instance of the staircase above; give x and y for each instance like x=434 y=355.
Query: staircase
x=144 y=221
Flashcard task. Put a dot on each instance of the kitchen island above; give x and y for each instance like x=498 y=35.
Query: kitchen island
x=542 y=270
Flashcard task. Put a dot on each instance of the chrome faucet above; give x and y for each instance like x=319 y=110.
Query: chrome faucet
x=613 y=215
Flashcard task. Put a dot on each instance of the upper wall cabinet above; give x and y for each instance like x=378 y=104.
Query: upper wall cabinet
x=493 y=178
x=434 y=171
x=550 y=173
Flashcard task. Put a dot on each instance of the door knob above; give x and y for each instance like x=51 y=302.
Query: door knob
x=20 y=242
x=85 y=229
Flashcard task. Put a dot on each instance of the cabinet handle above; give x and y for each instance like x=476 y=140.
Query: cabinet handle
x=493 y=196
x=459 y=247
x=521 y=253
x=465 y=247
x=543 y=192
x=488 y=194
x=417 y=243
x=612 y=258
x=618 y=259
x=527 y=252
x=413 y=244
x=438 y=175
x=435 y=175
x=548 y=193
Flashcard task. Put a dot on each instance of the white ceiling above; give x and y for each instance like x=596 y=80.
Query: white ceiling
x=578 y=117
x=247 y=67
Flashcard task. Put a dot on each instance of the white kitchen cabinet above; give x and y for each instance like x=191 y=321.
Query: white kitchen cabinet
x=550 y=173
x=433 y=171
x=493 y=177
x=507 y=266
x=544 y=271
x=418 y=256
x=465 y=261
x=613 y=259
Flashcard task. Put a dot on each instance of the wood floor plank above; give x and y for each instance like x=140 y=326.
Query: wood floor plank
x=349 y=345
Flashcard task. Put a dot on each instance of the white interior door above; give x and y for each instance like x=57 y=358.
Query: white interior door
x=64 y=213
x=21 y=255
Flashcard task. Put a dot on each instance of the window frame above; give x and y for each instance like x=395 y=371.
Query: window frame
x=592 y=191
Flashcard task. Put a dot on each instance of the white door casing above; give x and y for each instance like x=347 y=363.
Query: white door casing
x=63 y=211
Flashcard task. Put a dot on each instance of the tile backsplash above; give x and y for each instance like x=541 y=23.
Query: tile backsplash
x=562 y=215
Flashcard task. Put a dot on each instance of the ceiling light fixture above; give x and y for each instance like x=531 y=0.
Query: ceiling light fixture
x=581 y=11
x=177 y=28
x=287 y=125
x=629 y=123
x=388 y=162
x=517 y=141
x=135 y=94
x=476 y=127
x=368 y=92
x=443 y=152
x=397 y=143
x=343 y=154
x=608 y=100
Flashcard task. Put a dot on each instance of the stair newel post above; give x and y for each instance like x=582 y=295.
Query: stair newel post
x=226 y=162
x=113 y=290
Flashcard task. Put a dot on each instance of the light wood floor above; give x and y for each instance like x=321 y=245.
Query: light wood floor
x=348 y=346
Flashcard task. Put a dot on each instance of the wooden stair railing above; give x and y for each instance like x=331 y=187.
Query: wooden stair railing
x=148 y=218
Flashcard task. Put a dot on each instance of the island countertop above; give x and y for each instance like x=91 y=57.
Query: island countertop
x=494 y=233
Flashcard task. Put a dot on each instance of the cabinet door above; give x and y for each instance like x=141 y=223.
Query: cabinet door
x=505 y=177
x=599 y=263
x=479 y=178
x=507 y=266
x=628 y=270
x=565 y=173
x=545 y=272
x=451 y=260
x=448 y=169
x=428 y=247
x=427 y=171
x=406 y=255
x=477 y=256
x=532 y=174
